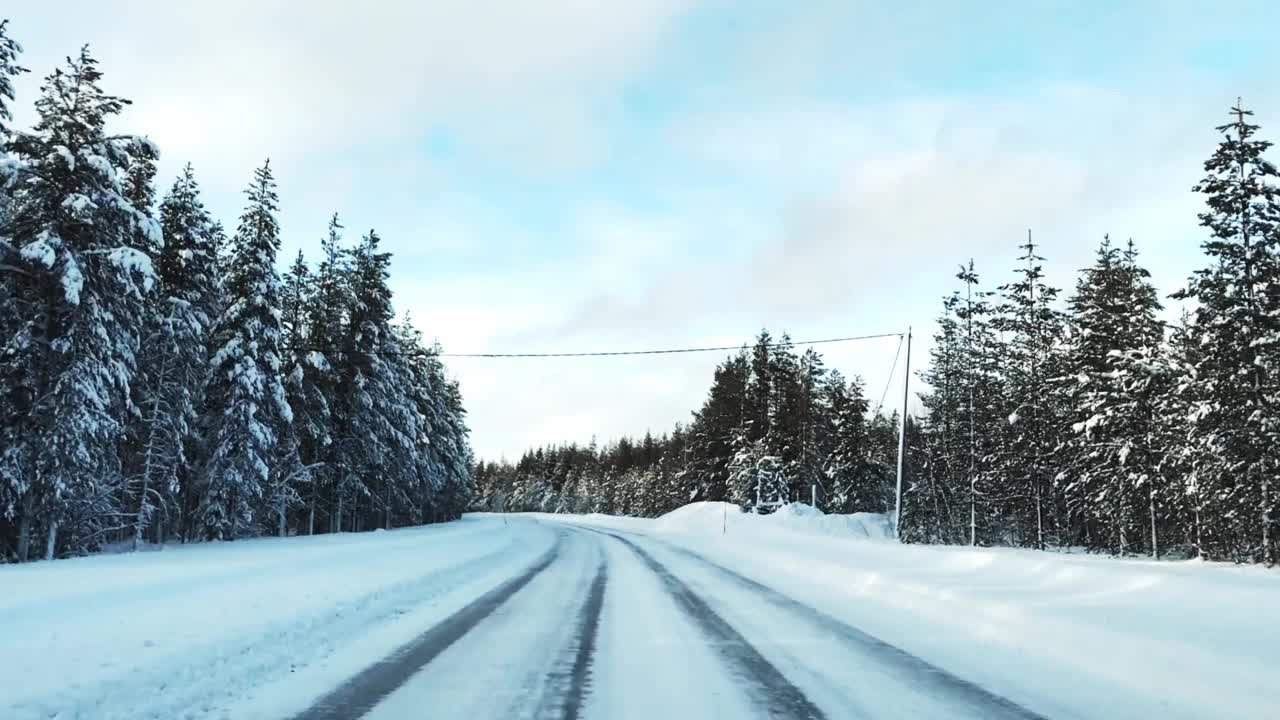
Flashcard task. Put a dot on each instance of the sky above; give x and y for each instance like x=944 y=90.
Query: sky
x=570 y=175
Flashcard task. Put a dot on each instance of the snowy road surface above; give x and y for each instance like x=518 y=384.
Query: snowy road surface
x=546 y=618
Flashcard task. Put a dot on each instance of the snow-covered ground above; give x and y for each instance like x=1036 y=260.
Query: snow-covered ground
x=1067 y=635
x=703 y=613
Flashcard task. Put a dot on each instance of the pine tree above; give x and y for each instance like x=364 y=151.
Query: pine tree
x=705 y=473
x=308 y=378
x=1117 y=379
x=249 y=413
x=1238 y=313
x=848 y=472
x=1033 y=328
x=946 y=431
x=1181 y=463
x=77 y=295
x=9 y=69
x=174 y=360
x=983 y=425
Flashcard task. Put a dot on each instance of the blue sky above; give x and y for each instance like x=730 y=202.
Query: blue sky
x=577 y=175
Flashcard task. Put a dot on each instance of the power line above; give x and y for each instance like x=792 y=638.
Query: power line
x=615 y=353
x=889 y=382
x=672 y=351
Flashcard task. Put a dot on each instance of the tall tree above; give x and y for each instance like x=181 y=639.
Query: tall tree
x=309 y=381
x=77 y=295
x=249 y=412
x=1238 y=312
x=1033 y=328
x=9 y=69
x=705 y=473
x=1116 y=376
x=175 y=356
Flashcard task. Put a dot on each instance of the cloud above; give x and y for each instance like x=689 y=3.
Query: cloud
x=228 y=83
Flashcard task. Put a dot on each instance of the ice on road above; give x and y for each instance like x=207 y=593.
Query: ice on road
x=591 y=617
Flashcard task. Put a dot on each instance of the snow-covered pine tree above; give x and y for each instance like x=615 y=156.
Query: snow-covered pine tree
x=9 y=259
x=984 y=424
x=78 y=287
x=946 y=435
x=1238 y=314
x=760 y=387
x=786 y=415
x=375 y=419
x=1032 y=329
x=174 y=359
x=849 y=478
x=1180 y=460
x=1116 y=379
x=705 y=472
x=815 y=432
x=248 y=410
x=308 y=378
x=9 y=69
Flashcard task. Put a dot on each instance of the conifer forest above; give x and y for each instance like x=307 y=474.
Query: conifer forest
x=162 y=380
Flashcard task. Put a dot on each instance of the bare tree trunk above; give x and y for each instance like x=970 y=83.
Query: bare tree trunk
x=338 y=517
x=51 y=547
x=140 y=519
x=24 y=526
x=1155 y=539
x=1268 y=555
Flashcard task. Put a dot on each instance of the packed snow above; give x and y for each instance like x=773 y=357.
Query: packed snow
x=264 y=628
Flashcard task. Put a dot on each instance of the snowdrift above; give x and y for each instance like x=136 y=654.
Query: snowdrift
x=714 y=518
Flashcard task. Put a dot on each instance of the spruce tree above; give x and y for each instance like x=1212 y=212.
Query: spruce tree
x=1117 y=377
x=175 y=356
x=308 y=378
x=9 y=69
x=1032 y=328
x=705 y=473
x=1238 y=313
x=249 y=413
x=77 y=292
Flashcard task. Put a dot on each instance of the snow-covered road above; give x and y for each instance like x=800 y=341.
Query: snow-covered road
x=551 y=617
x=679 y=637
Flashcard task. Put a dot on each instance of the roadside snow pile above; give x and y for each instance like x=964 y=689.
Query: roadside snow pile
x=699 y=517
x=715 y=518
x=798 y=517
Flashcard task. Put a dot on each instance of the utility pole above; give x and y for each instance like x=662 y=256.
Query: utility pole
x=902 y=442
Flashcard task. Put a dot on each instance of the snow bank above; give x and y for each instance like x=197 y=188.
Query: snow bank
x=699 y=517
x=717 y=518
x=1067 y=635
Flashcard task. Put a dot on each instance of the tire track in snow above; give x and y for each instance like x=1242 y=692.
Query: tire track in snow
x=768 y=687
x=958 y=691
x=573 y=673
x=359 y=694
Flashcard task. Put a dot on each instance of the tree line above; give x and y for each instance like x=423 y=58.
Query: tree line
x=1079 y=421
x=777 y=425
x=161 y=380
x=1101 y=425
